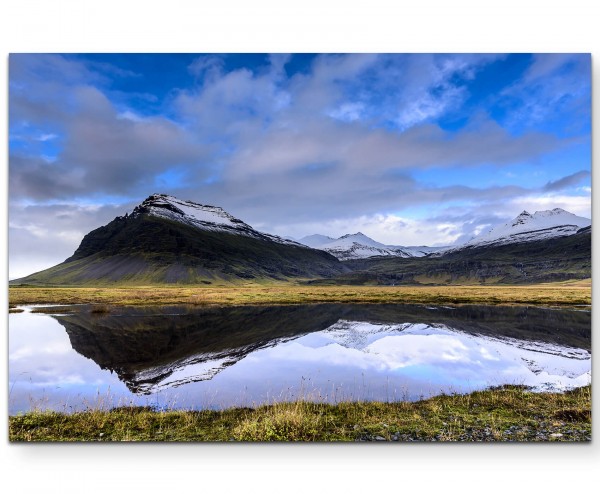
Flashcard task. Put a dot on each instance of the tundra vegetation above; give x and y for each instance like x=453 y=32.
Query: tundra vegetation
x=558 y=293
x=509 y=413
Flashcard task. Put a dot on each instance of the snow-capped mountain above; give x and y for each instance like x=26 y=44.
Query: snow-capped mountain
x=200 y=216
x=359 y=246
x=528 y=227
x=167 y=240
x=351 y=246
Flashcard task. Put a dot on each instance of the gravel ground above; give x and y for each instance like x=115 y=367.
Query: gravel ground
x=546 y=432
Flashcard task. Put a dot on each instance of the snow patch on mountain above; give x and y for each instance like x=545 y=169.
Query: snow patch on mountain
x=359 y=246
x=203 y=217
x=528 y=227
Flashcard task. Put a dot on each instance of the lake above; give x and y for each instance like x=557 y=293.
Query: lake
x=188 y=357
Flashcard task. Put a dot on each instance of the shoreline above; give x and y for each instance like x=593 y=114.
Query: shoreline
x=506 y=414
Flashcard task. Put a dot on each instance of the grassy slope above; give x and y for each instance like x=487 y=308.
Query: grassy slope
x=541 y=294
x=147 y=250
x=508 y=414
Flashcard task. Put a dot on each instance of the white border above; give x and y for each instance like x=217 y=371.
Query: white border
x=307 y=26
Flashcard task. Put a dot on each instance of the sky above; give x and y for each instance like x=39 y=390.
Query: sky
x=410 y=149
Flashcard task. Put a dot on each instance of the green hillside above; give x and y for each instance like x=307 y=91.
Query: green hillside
x=145 y=249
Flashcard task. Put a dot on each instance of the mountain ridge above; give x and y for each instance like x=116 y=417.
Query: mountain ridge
x=165 y=240
x=538 y=261
x=159 y=242
x=525 y=227
x=359 y=246
x=528 y=227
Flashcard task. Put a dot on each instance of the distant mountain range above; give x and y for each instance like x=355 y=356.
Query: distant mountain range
x=166 y=240
x=526 y=227
x=359 y=246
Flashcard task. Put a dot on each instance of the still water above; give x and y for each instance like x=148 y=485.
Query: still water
x=193 y=358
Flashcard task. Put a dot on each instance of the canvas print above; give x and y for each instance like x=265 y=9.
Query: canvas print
x=299 y=247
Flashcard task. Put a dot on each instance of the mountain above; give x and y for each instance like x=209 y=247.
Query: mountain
x=202 y=217
x=359 y=246
x=541 y=260
x=167 y=240
x=530 y=227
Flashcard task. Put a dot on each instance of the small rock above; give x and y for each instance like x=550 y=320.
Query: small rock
x=379 y=438
x=101 y=434
x=556 y=434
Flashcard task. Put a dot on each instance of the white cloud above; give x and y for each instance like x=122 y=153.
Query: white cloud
x=46 y=137
x=388 y=229
x=40 y=237
x=579 y=205
x=129 y=115
x=348 y=112
x=428 y=107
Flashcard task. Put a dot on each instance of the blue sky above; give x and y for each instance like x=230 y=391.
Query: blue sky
x=409 y=149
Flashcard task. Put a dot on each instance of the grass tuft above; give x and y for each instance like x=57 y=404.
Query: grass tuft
x=52 y=310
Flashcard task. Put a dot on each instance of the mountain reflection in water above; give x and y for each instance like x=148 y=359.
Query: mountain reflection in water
x=424 y=350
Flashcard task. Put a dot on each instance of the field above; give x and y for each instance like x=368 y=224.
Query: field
x=564 y=294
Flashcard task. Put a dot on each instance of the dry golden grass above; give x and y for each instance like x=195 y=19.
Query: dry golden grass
x=587 y=282
x=542 y=294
